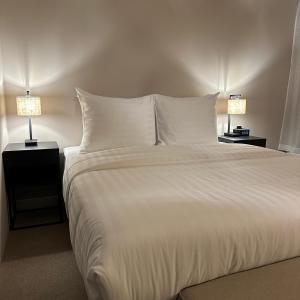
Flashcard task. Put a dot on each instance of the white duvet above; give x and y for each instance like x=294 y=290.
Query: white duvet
x=147 y=222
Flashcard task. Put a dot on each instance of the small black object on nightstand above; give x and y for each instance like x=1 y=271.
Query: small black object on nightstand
x=250 y=140
x=33 y=184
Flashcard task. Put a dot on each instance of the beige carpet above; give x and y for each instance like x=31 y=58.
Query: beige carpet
x=39 y=264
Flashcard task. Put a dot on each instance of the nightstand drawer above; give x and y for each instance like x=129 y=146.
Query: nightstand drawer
x=259 y=143
x=32 y=175
x=31 y=159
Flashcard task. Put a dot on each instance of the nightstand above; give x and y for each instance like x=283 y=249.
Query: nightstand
x=250 y=140
x=33 y=184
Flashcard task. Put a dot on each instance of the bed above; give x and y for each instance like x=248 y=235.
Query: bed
x=148 y=221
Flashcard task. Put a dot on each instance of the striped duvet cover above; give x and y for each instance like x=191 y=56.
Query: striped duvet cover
x=146 y=222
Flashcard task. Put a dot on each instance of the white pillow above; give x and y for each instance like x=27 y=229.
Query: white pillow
x=116 y=122
x=186 y=120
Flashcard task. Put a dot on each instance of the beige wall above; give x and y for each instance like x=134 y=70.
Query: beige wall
x=3 y=202
x=3 y=141
x=135 y=47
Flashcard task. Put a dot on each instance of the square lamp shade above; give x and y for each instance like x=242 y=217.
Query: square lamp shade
x=29 y=106
x=237 y=106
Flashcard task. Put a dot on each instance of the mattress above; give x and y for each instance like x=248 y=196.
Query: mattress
x=146 y=222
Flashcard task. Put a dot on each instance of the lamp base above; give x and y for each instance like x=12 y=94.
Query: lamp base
x=32 y=142
x=232 y=134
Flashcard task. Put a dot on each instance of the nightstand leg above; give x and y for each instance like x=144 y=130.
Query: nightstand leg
x=60 y=207
x=12 y=208
x=60 y=200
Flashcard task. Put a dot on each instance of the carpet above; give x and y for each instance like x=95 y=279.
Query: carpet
x=39 y=264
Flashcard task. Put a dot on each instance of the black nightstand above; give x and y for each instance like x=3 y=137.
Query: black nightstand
x=250 y=140
x=33 y=184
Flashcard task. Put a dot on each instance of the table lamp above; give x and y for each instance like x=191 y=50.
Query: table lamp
x=236 y=106
x=29 y=106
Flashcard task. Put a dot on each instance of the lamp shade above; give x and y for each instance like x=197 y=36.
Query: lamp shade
x=237 y=106
x=28 y=105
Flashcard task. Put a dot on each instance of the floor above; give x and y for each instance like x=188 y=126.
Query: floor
x=39 y=264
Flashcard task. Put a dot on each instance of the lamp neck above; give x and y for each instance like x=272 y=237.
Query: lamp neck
x=229 y=121
x=30 y=128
